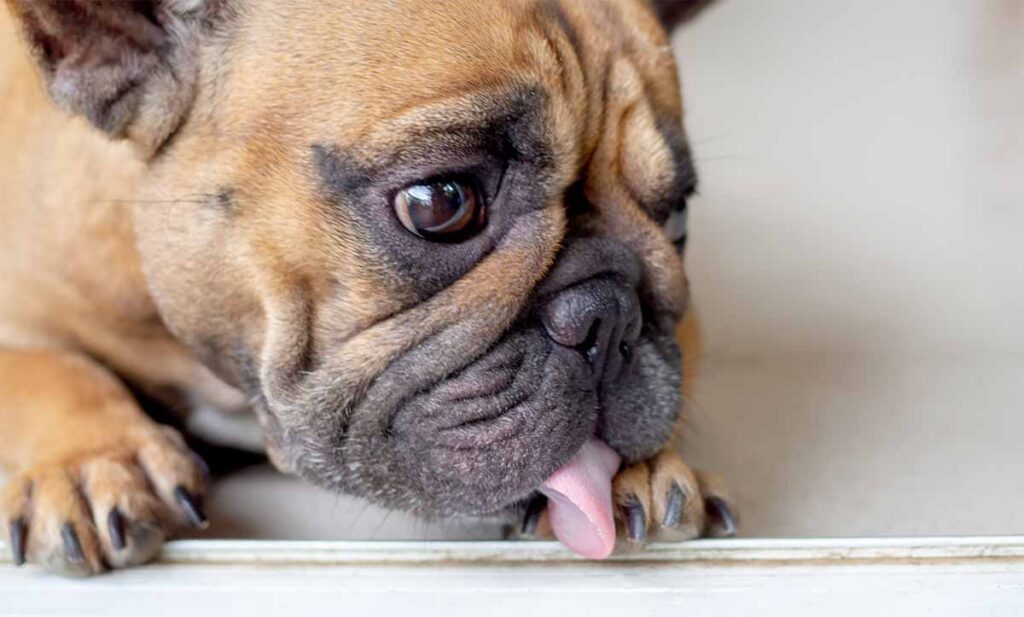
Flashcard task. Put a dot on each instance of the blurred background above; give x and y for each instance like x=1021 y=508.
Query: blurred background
x=857 y=256
x=858 y=260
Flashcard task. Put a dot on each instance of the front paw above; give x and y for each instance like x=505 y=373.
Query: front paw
x=112 y=508
x=663 y=497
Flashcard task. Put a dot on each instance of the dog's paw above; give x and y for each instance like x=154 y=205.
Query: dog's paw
x=663 y=498
x=103 y=509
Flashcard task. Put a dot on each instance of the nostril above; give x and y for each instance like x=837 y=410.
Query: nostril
x=626 y=350
x=589 y=345
x=598 y=319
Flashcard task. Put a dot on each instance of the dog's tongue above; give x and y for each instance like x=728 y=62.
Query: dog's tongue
x=580 y=501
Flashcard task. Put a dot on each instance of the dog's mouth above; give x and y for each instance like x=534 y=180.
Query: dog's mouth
x=528 y=416
x=503 y=424
x=587 y=376
x=488 y=436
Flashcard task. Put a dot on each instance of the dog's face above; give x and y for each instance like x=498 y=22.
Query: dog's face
x=428 y=238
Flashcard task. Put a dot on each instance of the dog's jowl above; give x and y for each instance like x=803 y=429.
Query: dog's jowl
x=424 y=242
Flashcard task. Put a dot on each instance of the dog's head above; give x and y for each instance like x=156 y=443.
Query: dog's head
x=428 y=238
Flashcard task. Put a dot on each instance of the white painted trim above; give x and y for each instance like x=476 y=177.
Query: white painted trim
x=908 y=577
x=747 y=551
x=822 y=551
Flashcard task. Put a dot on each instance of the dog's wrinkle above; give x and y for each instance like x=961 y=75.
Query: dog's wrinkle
x=527 y=369
x=586 y=258
x=525 y=436
x=558 y=34
x=556 y=13
x=497 y=404
x=492 y=125
x=493 y=384
x=685 y=180
x=482 y=463
x=612 y=277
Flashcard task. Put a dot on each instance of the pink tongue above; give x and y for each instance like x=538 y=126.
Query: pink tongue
x=580 y=500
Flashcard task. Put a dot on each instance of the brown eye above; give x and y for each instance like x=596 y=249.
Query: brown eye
x=445 y=210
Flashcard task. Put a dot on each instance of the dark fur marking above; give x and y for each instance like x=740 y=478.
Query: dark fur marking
x=684 y=182
x=553 y=8
x=223 y=200
x=558 y=26
x=674 y=12
x=506 y=147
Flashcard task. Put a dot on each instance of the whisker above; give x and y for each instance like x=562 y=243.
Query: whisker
x=387 y=515
x=726 y=157
x=708 y=138
x=146 y=201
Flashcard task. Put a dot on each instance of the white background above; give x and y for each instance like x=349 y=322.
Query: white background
x=858 y=258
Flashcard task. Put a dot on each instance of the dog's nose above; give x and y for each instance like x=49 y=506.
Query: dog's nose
x=600 y=318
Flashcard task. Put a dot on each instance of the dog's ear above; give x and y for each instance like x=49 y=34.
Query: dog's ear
x=128 y=66
x=674 y=12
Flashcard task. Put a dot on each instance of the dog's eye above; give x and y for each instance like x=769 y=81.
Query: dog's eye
x=447 y=209
x=675 y=227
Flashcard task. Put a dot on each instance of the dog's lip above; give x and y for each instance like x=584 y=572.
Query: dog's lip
x=489 y=399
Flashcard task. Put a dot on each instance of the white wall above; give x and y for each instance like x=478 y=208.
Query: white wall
x=862 y=175
x=858 y=257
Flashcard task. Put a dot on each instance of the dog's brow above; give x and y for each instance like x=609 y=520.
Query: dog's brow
x=442 y=138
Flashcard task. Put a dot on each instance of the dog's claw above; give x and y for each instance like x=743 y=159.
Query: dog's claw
x=72 y=546
x=18 y=529
x=673 y=506
x=116 y=527
x=720 y=514
x=636 y=521
x=190 y=506
x=533 y=511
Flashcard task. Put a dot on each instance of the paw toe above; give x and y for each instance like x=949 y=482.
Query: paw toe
x=113 y=509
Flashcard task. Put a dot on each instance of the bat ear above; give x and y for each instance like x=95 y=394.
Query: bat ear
x=127 y=66
x=675 y=12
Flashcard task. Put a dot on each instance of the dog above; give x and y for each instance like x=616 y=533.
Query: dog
x=435 y=248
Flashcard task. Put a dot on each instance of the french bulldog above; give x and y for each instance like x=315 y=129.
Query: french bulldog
x=435 y=248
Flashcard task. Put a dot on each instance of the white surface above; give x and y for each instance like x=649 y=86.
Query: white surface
x=936 y=577
x=858 y=261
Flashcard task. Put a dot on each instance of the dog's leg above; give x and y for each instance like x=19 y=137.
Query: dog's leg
x=95 y=483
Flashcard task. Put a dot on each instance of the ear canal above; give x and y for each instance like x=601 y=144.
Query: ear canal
x=675 y=12
x=127 y=66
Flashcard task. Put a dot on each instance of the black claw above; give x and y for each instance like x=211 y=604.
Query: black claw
x=190 y=506
x=72 y=547
x=720 y=516
x=673 y=506
x=204 y=469
x=115 y=527
x=636 y=521
x=533 y=511
x=18 y=532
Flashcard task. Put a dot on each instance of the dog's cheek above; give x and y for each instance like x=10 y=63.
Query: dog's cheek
x=640 y=412
x=488 y=436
